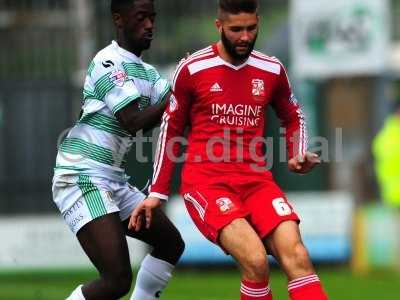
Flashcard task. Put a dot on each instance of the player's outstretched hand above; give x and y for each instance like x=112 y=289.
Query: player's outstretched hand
x=144 y=209
x=304 y=164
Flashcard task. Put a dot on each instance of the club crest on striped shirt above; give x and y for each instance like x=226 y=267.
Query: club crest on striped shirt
x=118 y=78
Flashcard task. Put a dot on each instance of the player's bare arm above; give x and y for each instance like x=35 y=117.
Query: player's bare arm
x=133 y=119
x=304 y=164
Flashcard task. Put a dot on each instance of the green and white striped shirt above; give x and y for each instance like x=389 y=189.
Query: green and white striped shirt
x=98 y=145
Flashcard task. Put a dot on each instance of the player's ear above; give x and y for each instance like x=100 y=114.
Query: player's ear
x=218 y=24
x=117 y=20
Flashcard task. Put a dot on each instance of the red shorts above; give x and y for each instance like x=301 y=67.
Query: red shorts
x=216 y=202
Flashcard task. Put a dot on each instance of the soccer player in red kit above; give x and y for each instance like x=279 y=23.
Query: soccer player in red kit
x=221 y=93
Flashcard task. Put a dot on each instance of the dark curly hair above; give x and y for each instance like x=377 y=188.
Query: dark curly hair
x=238 y=6
x=119 y=5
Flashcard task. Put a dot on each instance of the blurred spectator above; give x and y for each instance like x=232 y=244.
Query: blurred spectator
x=386 y=150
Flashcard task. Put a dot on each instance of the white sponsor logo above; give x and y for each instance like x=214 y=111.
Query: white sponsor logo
x=237 y=115
x=216 y=88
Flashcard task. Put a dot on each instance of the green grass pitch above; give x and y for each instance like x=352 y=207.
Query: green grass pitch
x=202 y=285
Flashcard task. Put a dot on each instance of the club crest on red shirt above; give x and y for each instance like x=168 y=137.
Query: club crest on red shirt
x=258 y=88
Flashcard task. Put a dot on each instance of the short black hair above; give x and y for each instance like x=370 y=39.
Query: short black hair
x=238 y=6
x=119 y=5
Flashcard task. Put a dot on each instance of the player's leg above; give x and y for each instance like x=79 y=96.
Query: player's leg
x=104 y=242
x=287 y=247
x=219 y=216
x=162 y=235
x=156 y=268
x=241 y=241
x=276 y=222
x=285 y=244
x=86 y=207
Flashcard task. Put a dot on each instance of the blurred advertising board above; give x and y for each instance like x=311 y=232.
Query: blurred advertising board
x=326 y=226
x=45 y=241
x=339 y=38
x=34 y=242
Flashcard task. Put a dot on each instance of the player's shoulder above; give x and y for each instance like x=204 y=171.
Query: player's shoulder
x=265 y=57
x=107 y=59
x=265 y=62
x=198 y=57
x=201 y=54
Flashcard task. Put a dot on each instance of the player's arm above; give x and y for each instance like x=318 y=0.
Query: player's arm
x=110 y=84
x=292 y=119
x=133 y=119
x=174 y=121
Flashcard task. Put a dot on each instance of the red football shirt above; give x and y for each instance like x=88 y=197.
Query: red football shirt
x=225 y=108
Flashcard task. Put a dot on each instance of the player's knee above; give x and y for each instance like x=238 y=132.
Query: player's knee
x=300 y=255
x=179 y=246
x=257 y=261
x=176 y=248
x=170 y=248
x=255 y=266
x=297 y=257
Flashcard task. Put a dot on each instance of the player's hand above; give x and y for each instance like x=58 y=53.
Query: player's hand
x=304 y=164
x=144 y=209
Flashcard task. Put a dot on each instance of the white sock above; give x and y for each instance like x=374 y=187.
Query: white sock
x=152 y=278
x=77 y=294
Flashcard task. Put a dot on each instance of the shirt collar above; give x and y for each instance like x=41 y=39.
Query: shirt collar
x=125 y=53
x=238 y=67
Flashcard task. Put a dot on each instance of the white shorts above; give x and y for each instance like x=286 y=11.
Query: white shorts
x=82 y=199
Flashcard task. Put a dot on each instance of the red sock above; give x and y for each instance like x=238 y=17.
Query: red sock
x=255 y=291
x=306 y=288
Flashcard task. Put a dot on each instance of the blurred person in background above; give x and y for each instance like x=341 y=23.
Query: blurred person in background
x=222 y=92
x=122 y=95
x=386 y=150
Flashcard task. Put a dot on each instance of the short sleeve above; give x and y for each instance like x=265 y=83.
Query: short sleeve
x=160 y=88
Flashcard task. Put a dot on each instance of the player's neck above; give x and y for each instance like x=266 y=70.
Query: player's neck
x=125 y=45
x=227 y=57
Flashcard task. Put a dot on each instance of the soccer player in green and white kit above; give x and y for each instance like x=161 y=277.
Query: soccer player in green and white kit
x=122 y=95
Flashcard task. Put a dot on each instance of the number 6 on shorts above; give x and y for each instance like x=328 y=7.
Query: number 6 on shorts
x=281 y=207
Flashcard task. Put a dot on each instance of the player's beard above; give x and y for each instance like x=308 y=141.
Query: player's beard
x=231 y=48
